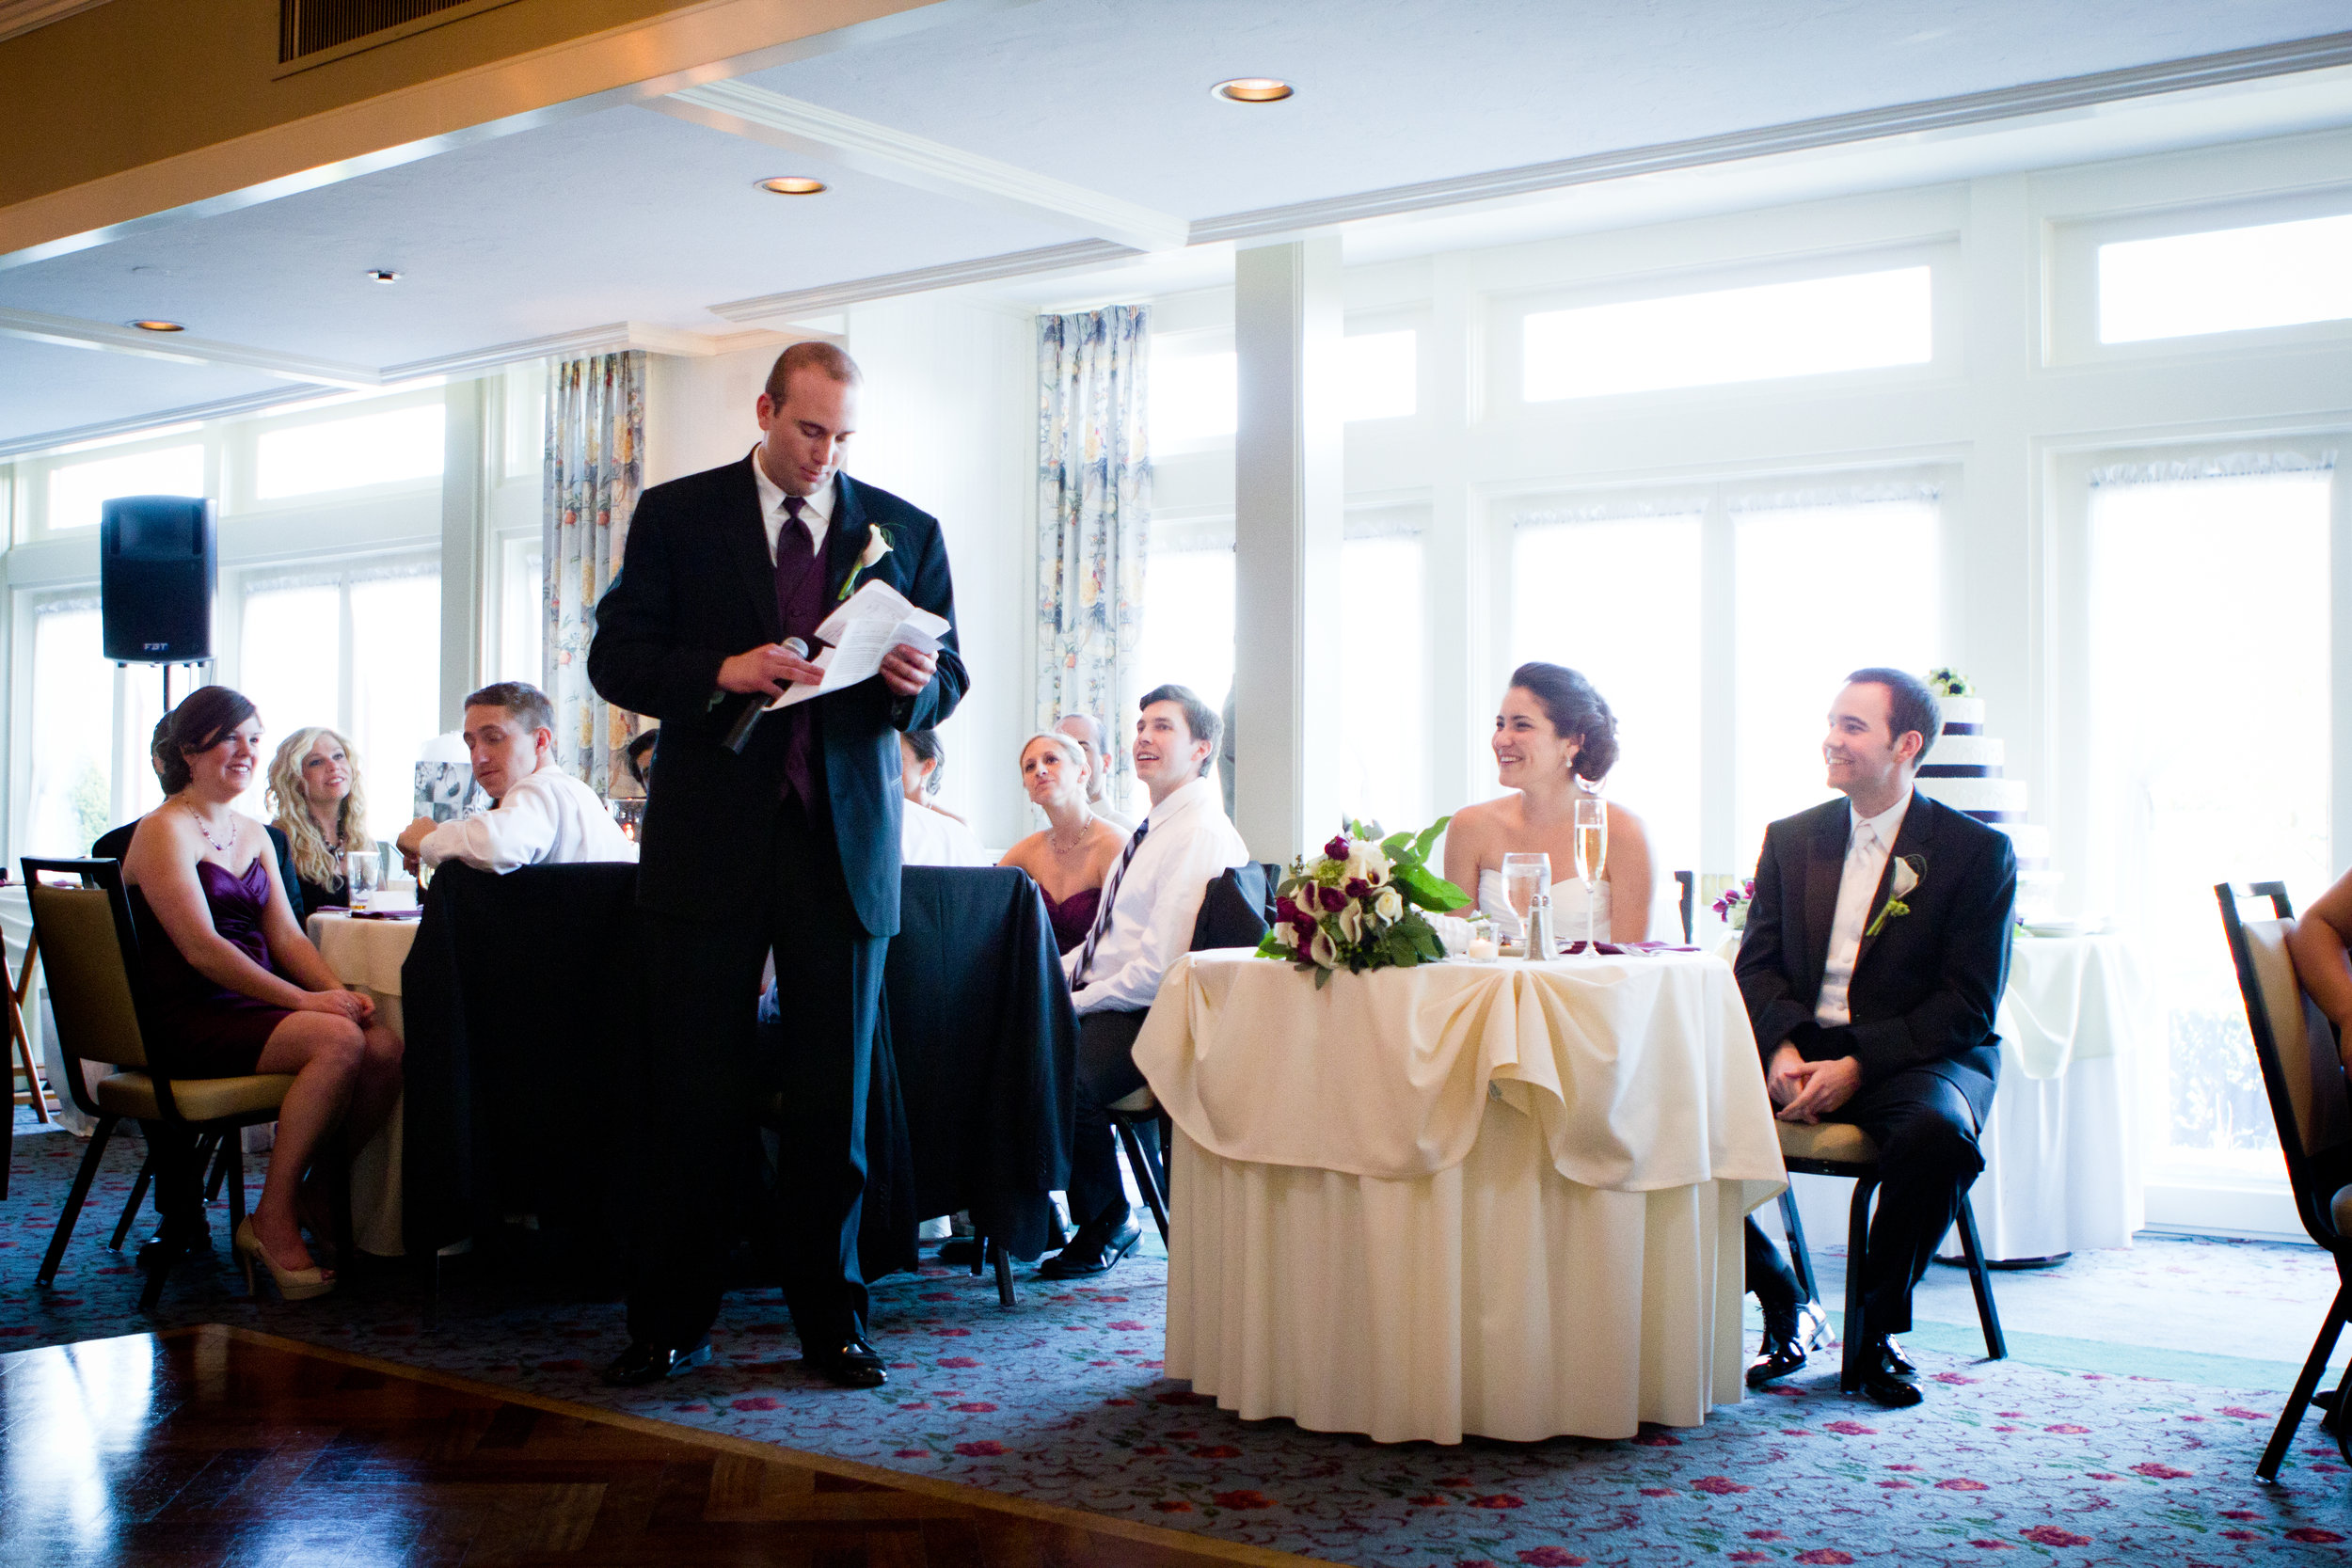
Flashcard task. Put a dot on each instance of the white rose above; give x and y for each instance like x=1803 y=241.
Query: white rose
x=1286 y=933
x=1323 y=951
x=1388 y=906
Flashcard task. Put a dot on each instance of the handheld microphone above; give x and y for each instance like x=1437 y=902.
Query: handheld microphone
x=738 y=737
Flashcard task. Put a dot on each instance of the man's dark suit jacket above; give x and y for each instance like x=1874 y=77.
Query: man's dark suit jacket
x=1926 y=987
x=696 y=588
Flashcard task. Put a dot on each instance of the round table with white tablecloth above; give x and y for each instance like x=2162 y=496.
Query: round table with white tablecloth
x=366 y=956
x=1491 y=1199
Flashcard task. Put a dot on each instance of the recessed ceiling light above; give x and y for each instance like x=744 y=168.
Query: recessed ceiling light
x=158 y=327
x=1252 y=90
x=383 y=274
x=792 y=185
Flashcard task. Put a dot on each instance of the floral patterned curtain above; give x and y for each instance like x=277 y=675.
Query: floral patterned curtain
x=595 y=469
x=1094 y=511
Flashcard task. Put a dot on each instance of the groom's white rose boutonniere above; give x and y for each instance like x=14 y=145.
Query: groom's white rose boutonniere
x=877 y=546
x=1908 y=871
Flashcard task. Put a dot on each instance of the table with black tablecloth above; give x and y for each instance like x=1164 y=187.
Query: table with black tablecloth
x=524 y=1002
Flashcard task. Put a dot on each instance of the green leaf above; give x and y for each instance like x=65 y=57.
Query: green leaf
x=1428 y=840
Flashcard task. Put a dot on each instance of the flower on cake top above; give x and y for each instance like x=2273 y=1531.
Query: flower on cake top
x=1947 y=682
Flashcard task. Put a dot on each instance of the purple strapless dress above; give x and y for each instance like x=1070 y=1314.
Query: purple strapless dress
x=1074 y=917
x=210 y=1031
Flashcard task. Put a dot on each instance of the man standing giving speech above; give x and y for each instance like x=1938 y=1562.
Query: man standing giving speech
x=790 y=843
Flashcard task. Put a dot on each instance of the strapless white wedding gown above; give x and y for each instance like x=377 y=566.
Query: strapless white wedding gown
x=1567 y=909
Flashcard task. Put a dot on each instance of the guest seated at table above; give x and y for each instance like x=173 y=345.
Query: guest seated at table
x=1151 y=897
x=1086 y=730
x=927 y=833
x=1068 y=860
x=233 y=983
x=321 y=809
x=539 y=814
x=2318 y=945
x=1554 y=741
x=1876 y=949
x=114 y=843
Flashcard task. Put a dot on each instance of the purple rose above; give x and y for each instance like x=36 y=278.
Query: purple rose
x=1334 y=900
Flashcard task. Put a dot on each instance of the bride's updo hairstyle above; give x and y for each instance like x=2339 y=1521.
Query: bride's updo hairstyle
x=1576 y=713
x=201 y=721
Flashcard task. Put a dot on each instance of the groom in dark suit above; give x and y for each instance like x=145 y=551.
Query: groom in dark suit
x=789 y=844
x=1876 y=950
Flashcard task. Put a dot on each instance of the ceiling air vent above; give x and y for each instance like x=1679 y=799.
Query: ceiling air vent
x=306 y=27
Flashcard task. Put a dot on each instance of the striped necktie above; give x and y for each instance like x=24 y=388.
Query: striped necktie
x=1110 y=897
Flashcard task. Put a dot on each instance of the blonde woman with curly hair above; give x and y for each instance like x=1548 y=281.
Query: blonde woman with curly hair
x=314 y=788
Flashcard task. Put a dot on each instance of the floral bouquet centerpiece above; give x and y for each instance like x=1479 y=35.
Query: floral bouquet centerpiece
x=1732 y=907
x=1359 y=904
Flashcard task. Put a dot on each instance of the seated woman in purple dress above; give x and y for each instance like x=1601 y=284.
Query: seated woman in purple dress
x=235 y=986
x=1070 y=859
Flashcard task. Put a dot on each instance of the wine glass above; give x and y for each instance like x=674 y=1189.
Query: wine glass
x=1592 y=855
x=364 y=869
x=1524 y=876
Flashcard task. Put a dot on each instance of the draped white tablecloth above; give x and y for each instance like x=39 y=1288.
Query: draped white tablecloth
x=366 y=956
x=1501 y=1199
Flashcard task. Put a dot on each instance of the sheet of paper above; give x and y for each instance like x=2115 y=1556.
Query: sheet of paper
x=876 y=619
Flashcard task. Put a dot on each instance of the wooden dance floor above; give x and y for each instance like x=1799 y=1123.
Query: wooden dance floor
x=214 y=1445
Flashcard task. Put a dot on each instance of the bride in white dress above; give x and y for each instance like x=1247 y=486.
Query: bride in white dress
x=1554 y=742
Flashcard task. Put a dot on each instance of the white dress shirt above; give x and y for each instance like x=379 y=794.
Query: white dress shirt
x=928 y=837
x=546 y=818
x=1119 y=819
x=1188 y=843
x=816 y=510
x=1868 y=842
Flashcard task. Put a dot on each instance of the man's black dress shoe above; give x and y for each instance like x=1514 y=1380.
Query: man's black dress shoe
x=1892 y=1357
x=1098 y=1245
x=173 y=1241
x=960 y=1252
x=1881 y=1383
x=849 y=1363
x=645 y=1362
x=1788 y=1335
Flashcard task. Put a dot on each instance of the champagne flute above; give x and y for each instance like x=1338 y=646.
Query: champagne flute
x=1592 y=855
x=1524 y=876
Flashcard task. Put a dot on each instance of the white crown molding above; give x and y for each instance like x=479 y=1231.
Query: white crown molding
x=22 y=16
x=829 y=297
x=744 y=110
x=611 y=338
x=68 y=332
x=2073 y=93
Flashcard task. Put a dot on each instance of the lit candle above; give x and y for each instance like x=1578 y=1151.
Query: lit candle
x=1482 y=949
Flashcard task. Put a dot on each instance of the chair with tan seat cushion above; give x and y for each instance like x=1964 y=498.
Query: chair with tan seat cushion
x=90 y=950
x=1839 y=1148
x=2295 y=1046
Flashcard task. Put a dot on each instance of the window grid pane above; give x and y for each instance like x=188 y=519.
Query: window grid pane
x=289 y=665
x=1187 y=624
x=1384 y=702
x=395 y=688
x=1381 y=367
x=72 y=684
x=374 y=448
x=2226 y=280
x=77 y=490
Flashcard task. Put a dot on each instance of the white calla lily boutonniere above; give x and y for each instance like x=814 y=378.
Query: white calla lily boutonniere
x=1908 y=871
x=877 y=546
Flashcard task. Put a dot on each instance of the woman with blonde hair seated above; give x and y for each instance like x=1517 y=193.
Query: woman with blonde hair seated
x=1070 y=859
x=322 y=809
x=233 y=983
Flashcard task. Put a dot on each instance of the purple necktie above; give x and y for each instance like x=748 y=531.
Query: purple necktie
x=800 y=605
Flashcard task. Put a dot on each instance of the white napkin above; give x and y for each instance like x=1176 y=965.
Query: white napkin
x=1453 y=930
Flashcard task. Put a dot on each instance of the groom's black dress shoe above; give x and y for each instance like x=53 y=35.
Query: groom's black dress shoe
x=847 y=1361
x=1098 y=1245
x=1891 y=1355
x=1788 y=1335
x=645 y=1362
x=1881 y=1383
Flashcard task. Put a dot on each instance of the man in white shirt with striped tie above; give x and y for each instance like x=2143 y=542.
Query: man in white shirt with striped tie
x=1150 y=898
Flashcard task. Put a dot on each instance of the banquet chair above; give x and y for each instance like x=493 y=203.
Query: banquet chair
x=1689 y=882
x=2295 y=1047
x=1840 y=1148
x=91 y=949
x=1236 y=910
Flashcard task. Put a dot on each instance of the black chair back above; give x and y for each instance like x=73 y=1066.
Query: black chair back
x=2295 y=1046
x=1688 y=880
x=1238 y=909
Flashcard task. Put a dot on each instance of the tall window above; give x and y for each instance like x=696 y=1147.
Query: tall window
x=357 y=649
x=1187 y=622
x=1636 y=639
x=1384 y=699
x=2209 y=739
x=1827 y=583
x=2226 y=280
x=338 y=454
x=1193 y=394
x=72 y=798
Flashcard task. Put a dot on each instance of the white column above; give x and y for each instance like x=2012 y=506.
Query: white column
x=1288 y=323
x=465 y=506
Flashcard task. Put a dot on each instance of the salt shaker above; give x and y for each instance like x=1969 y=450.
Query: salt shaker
x=1541 y=947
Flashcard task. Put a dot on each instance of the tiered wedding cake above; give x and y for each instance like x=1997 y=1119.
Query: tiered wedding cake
x=1963 y=771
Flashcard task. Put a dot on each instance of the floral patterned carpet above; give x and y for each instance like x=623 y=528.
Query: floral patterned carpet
x=1063 y=1400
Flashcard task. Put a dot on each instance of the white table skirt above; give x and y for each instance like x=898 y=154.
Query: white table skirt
x=1494 y=1296
x=366 y=956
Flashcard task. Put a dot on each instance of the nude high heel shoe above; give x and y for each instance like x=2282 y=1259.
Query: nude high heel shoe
x=293 y=1284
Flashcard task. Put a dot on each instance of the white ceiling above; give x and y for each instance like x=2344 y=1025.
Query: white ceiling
x=622 y=215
